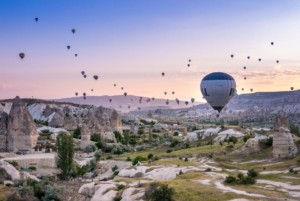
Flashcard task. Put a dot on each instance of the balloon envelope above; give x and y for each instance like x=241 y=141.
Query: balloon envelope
x=22 y=55
x=218 y=88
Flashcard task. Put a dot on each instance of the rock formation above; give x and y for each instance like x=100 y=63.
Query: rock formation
x=18 y=130
x=283 y=143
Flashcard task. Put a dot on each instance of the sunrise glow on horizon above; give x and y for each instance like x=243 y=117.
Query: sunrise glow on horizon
x=131 y=42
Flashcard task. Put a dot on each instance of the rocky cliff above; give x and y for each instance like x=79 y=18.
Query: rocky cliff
x=100 y=120
x=18 y=130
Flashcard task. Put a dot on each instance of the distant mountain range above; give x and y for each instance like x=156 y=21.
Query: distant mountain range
x=127 y=103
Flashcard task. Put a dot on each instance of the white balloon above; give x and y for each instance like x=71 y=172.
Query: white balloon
x=218 y=88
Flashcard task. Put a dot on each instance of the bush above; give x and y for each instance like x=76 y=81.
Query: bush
x=268 y=142
x=120 y=187
x=150 y=156
x=95 y=137
x=208 y=170
x=232 y=139
x=77 y=133
x=294 y=129
x=118 y=198
x=252 y=173
x=14 y=163
x=159 y=192
x=128 y=159
x=174 y=143
x=118 y=136
x=99 y=145
x=169 y=150
x=32 y=168
x=186 y=159
x=230 y=180
x=175 y=133
x=247 y=137
x=92 y=165
x=89 y=149
x=97 y=155
x=138 y=159
x=117 y=151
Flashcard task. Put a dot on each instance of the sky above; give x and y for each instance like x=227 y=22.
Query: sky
x=131 y=42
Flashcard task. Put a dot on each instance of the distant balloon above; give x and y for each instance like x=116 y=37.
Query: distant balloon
x=92 y=89
x=188 y=65
x=218 y=88
x=75 y=55
x=248 y=57
x=245 y=78
x=125 y=94
x=36 y=19
x=259 y=59
x=165 y=93
x=173 y=92
x=163 y=74
x=84 y=76
x=73 y=31
x=153 y=98
x=242 y=89
x=192 y=100
x=76 y=94
x=82 y=72
x=167 y=102
x=190 y=60
x=22 y=55
x=110 y=100
x=232 y=56
x=292 y=88
x=115 y=85
x=277 y=61
x=128 y=106
x=251 y=90
x=186 y=102
x=68 y=47
x=177 y=101
x=84 y=94
x=272 y=43
x=139 y=108
x=245 y=67
x=95 y=77
x=122 y=88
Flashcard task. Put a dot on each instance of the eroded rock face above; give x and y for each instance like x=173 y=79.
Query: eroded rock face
x=22 y=132
x=283 y=143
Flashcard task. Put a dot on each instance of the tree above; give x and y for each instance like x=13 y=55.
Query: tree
x=294 y=129
x=65 y=154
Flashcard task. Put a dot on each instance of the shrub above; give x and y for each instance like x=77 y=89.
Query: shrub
x=169 y=150
x=118 y=136
x=92 y=165
x=252 y=173
x=14 y=163
x=175 y=133
x=128 y=159
x=77 y=133
x=117 y=151
x=114 y=168
x=174 y=143
x=150 y=156
x=120 y=187
x=46 y=131
x=138 y=159
x=230 y=180
x=95 y=137
x=32 y=168
x=247 y=137
x=89 y=149
x=180 y=172
x=294 y=129
x=186 y=159
x=99 y=145
x=97 y=155
x=208 y=170
x=268 y=142
x=118 y=198
x=232 y=139
x=159 y=192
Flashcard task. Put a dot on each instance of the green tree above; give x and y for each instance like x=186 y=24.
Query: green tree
x=295 y=129
x=65 y=154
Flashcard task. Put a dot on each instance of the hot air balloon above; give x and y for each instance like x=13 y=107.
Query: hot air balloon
x=84 y=76
x=73 y=31
x=22 y=55
x=165 y=93
x=245 y=78
x=139 y=108
x=36 y=19
x=115 y=85
x=95 y=77
x=110 y=100
x=186 y=102
x=245 y=67
x=122 y=88
x=251 y=90
x=76 y=94
x=192 y=100
x=68 y=47
x=292 y=88
x=75 y=55
x=125 y=94
x=177 y=101
x=173 y=92
x=218 y=88
x=248 y=57
x=167 y=102
x=82 y=72
x=272 y=43
x=92 y=89
x=277 y=61
x=153 y=98
x=259 y=59
x=84 y=94
x=188 y=65
x=232 y=56
x=190 y=60
x=163 y=74
x=242 y=89
x=128 y=106
x=131 y=99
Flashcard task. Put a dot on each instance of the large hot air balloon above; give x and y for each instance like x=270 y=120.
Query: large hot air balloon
x=73 y=31
x=22 y=55
x=95 y=77
x=218 y=88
